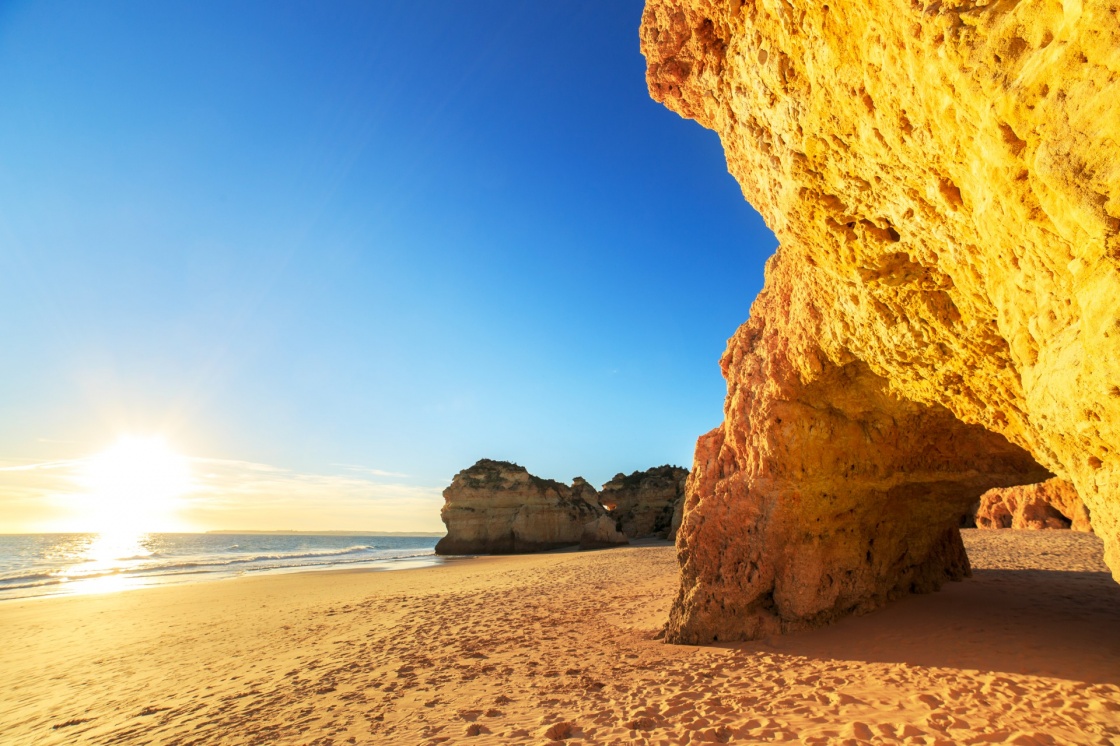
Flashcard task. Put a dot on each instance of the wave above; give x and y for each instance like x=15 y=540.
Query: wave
x=300 y=554
x=34 y=566
x=198 y=561
x=29 y=578
x=33 y=578
x=51 y=580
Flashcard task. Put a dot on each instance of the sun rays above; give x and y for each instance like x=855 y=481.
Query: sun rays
x=133 y=486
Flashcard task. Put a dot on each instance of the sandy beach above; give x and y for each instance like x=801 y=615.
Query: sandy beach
x=539 y=648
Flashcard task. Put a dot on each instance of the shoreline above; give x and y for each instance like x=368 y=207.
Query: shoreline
x=532 y=648
x=47 y=565
x=96 y=586
x=123 y=583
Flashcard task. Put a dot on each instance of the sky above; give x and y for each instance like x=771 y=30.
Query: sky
x=335 y=252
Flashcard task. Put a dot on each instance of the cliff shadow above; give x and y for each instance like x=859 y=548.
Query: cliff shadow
x=1048 y=623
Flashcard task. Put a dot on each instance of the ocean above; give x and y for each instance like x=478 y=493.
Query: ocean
x=49 y=564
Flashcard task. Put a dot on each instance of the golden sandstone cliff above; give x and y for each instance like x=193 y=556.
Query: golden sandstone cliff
x=498 y=507
x=942 y=315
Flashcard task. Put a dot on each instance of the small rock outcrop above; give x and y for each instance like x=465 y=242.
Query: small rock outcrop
x=643 y=503
x=1050 y=504
x=497 y=507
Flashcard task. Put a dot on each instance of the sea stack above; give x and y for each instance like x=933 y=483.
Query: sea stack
x=498 y=507
x=941 y=315
x=643 y=503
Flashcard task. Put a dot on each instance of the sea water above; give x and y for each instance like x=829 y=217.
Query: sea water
x=47 y=564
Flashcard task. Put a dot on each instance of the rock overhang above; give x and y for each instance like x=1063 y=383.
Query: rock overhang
x=944 y=182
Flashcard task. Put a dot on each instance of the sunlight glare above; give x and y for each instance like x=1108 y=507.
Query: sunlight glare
x=133 y=486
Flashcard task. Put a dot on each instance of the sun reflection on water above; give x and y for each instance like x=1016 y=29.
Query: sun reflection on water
x=109 y=549
x=105 y=561
x=103 y=584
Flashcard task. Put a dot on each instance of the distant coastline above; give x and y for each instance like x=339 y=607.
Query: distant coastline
x=294 y=532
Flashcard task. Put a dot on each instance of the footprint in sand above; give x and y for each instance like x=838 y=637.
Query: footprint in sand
x=560 y=731
x=151 y=710
x=930 y=701
x=641 y=723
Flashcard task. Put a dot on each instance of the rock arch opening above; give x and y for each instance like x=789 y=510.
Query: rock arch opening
x=825 y=497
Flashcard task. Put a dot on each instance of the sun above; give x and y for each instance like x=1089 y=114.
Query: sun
x=134 y=485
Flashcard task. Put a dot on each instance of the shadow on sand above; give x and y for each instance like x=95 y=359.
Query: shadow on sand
x=1039 y=622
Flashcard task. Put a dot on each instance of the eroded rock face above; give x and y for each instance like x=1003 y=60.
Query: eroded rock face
x=601 y=534
x=583 y=490
x=496 y=507
x=643 y=503
x=941 y=317
x=1050 y=504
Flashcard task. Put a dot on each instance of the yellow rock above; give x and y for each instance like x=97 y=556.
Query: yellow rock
x=944 y=179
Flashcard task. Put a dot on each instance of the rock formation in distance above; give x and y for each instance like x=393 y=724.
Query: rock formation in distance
x=941 y=316
x=643 y=502
x=601 y=533
x=1050 y=504
x=497 y=507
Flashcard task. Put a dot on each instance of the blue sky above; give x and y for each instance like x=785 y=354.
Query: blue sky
x=384 y=236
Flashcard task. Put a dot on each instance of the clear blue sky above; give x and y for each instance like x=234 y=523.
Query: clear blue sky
x=400 y=235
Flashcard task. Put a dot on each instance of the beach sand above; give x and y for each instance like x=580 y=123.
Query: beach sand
x=529 y=649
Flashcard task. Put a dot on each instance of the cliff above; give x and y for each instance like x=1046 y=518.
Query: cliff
x=1050 y=504
x=496 y=507
x=643 y=503
x=940 y=318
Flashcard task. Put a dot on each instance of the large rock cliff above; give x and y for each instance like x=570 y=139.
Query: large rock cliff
x=643 y=503
x=941 y=317
x=496 y=507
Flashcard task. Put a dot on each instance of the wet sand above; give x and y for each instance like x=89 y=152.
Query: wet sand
x=534 y=649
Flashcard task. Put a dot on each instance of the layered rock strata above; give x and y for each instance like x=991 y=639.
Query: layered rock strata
x=643 y=503
x=941 y=316
x=497 y=507
x=1050 y=504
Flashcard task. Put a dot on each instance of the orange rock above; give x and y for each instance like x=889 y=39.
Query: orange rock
x=1050 y=504
x=941 y=317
